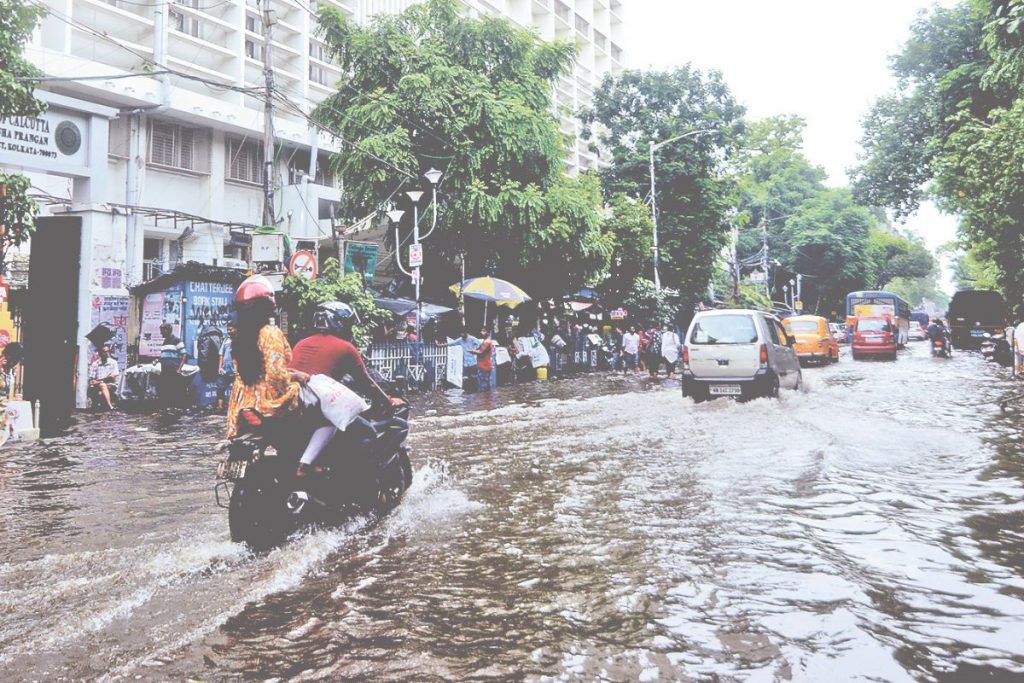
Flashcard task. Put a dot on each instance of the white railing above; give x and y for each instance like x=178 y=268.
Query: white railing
x=416 y=366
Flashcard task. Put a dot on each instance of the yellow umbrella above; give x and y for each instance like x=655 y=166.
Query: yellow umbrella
x=491 y=290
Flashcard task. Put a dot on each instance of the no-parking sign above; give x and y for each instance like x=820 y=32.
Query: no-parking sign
x=303 y=264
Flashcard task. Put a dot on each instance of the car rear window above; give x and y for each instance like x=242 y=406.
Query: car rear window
x=724 y=329
x=873 y=326
x=803 y=326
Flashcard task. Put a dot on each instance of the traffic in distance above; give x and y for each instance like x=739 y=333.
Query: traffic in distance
x=750 y=353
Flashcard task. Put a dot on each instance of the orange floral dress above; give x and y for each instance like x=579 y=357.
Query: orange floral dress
x=275 y=392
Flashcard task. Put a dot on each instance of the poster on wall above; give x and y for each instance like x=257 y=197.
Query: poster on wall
x=157 y=308
x=113 y=310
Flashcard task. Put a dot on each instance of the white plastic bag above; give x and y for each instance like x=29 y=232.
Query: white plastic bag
x=339 y=404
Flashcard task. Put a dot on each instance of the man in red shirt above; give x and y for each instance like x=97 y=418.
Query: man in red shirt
x=329 y=351
x=484 y=360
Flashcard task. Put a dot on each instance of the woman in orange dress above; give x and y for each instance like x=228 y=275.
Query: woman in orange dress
x=261 y=354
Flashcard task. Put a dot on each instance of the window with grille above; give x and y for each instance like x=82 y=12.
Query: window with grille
x=179 y=147
x=245 y=161
x=582 y=26
x=250 y=49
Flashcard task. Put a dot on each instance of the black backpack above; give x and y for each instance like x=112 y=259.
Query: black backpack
x=208 y=353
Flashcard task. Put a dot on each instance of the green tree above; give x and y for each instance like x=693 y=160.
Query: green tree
x=940 y=72
x=473 y=97
x=827 y=238
x=629 y=224
x=897 y=256
x=694 y=193
x=302 y=296
x=774 y=178
x=647 y=304
x=17 y=209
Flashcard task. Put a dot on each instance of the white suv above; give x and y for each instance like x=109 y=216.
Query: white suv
x=740 y=353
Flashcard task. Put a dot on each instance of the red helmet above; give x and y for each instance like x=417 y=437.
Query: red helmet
x=254 y=288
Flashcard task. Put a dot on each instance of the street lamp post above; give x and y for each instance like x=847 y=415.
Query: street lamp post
x=654 y=147
x=434 y=177
x=415 y=196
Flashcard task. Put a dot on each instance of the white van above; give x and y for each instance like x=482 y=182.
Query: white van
x=739 y=353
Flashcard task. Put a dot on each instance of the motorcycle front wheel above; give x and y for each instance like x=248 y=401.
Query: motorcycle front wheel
x=394 y=482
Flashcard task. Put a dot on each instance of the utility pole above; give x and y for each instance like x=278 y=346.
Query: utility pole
x=268 y=20
x=654 y=219
x=764 y=258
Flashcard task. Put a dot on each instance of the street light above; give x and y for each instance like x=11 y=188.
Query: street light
x=653 y=147
x=434 y=177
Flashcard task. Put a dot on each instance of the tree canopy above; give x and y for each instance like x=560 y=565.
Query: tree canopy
x=695 y=193
x=471 y=97
x=17 y=209
x=954 y=130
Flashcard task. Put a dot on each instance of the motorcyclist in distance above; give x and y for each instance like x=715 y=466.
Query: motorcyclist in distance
x=330 y=351
x=937 y=331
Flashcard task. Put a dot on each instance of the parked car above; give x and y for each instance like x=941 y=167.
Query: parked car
x=874 y=336
x=916 y=333
x=739 y=353
x=814 y=341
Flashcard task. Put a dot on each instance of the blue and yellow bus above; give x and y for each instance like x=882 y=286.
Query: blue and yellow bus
x=859 y=304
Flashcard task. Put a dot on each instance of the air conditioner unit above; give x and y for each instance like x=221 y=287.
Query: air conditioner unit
x=236 y=263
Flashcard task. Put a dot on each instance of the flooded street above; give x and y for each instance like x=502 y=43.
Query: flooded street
x=869 y=527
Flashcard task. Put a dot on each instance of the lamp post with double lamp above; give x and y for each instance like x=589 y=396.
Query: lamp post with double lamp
x=433 y=176
x=654 y=147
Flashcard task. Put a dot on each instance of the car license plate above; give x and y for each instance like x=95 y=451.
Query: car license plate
x=977 y=333
x=725 y=390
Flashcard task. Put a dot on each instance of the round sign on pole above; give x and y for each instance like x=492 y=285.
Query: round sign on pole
x=303 y=264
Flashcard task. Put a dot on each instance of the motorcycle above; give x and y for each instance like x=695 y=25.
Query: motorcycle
x=942 y=348
x=266 y=502
x=996 y=348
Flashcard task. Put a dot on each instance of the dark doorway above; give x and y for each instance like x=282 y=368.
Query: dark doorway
x=50 y=330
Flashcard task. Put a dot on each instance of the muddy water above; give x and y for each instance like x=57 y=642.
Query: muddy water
x=869 y=527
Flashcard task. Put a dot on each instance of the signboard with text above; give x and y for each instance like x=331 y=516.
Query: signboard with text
x=55 y=140
x=361 y=257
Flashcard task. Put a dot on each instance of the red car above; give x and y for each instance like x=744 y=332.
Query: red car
x=874 y=336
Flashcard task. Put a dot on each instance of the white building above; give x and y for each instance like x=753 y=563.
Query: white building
x=176 y=174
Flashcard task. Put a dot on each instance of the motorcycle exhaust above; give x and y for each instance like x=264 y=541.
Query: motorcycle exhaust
x=296 y=502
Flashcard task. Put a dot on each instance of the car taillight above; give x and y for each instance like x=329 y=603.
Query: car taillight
x=686 y=356
x=764 y=355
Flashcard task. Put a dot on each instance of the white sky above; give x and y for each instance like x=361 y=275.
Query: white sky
x=825 y=60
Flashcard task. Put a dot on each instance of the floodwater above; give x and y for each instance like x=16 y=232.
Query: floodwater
x=870 y=527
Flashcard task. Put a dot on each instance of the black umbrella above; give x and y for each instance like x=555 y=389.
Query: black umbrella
x=101 y=334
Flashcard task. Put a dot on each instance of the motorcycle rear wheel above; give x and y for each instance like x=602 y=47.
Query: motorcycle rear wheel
x=257 y=515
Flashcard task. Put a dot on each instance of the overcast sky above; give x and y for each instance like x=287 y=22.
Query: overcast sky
x=825 y=60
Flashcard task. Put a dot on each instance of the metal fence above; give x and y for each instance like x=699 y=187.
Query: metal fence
x=416 y=366
x=423 y=367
